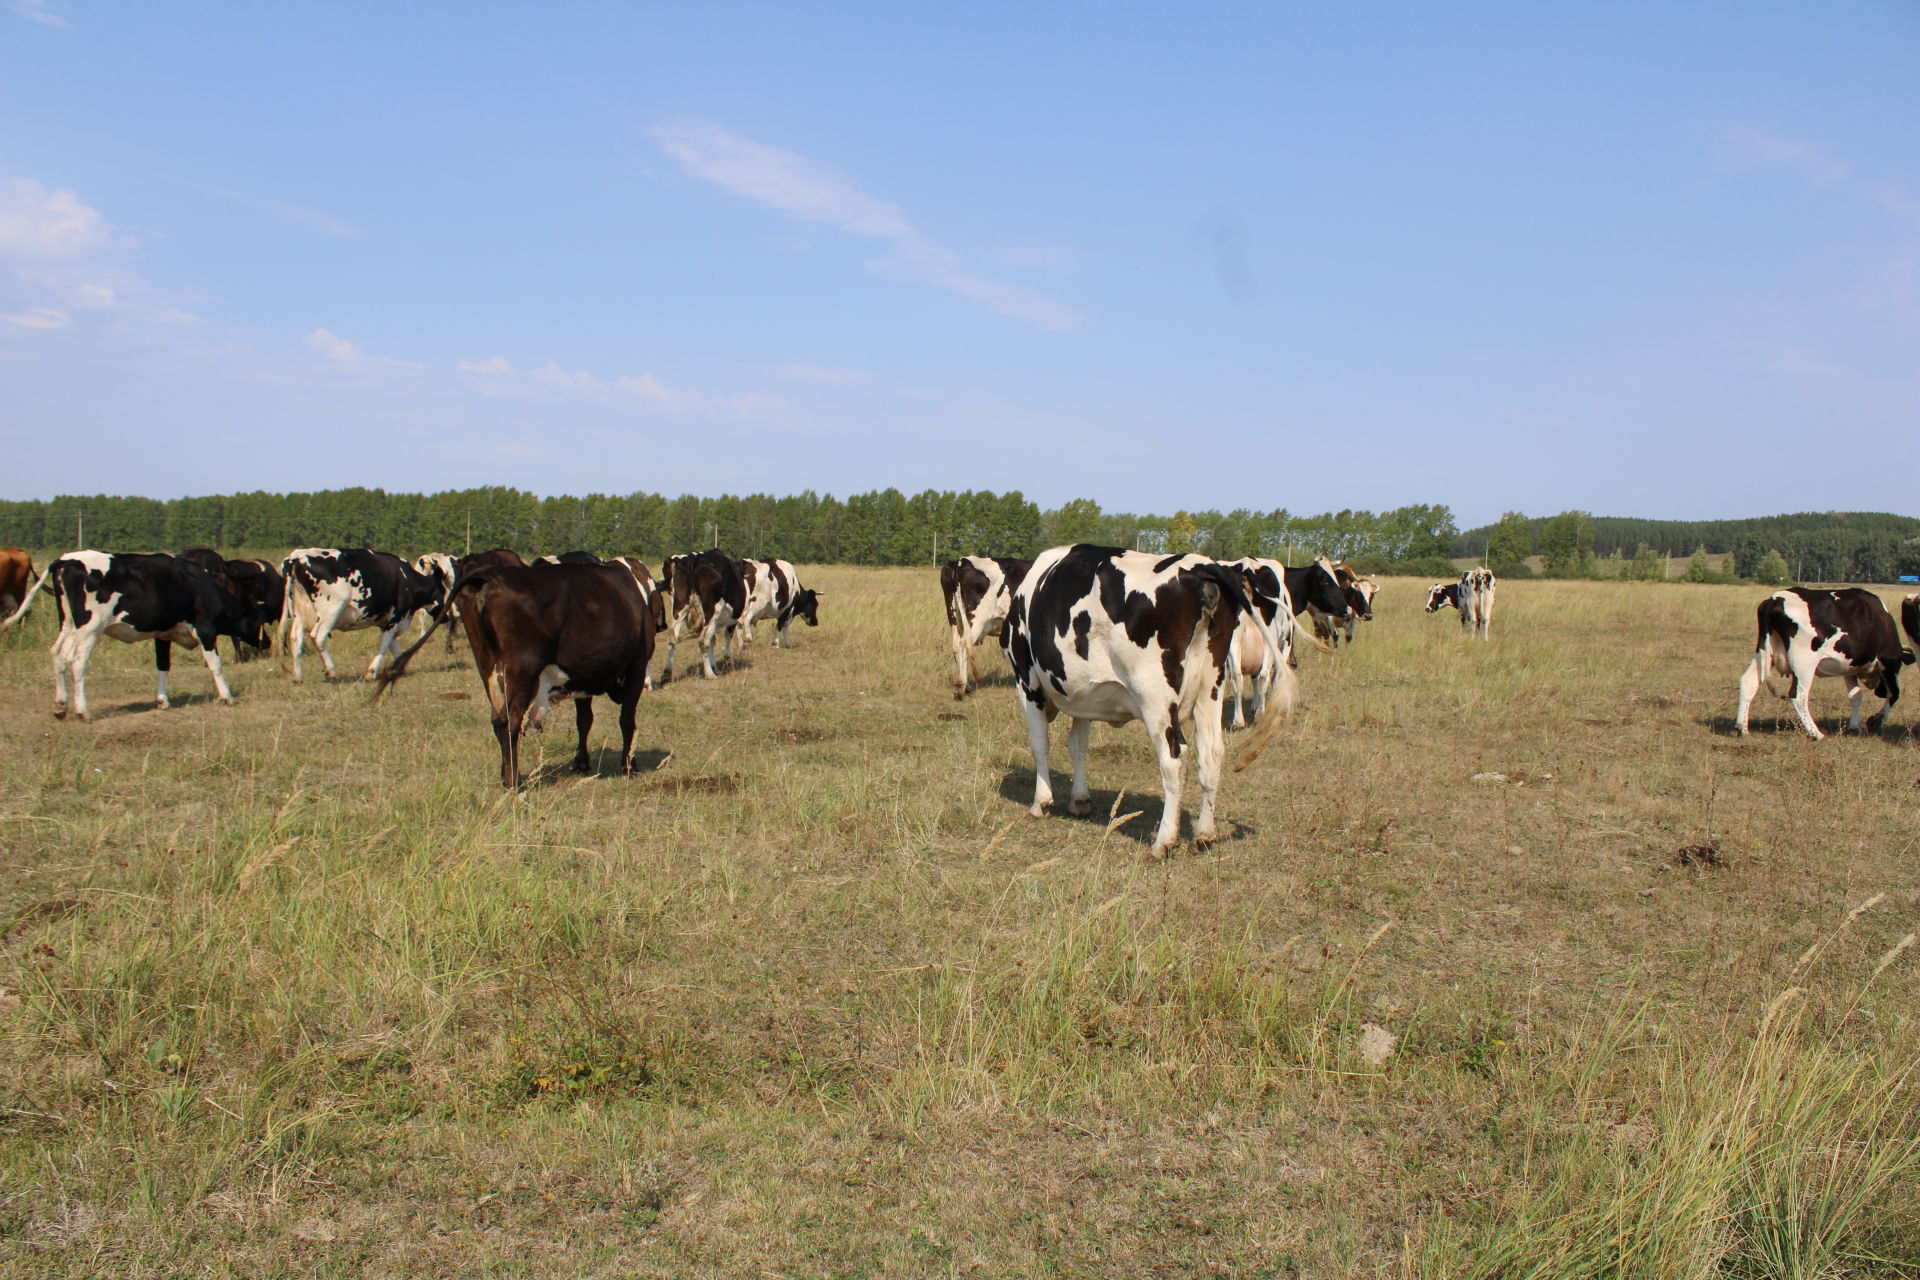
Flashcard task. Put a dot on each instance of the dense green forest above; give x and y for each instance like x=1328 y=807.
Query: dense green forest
x=890 y=527
x=1817 y=546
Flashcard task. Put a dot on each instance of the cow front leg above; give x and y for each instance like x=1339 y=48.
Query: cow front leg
x=1038 y=718
x=629 y=708
x=1169 y=749
x=162 y=663
x=212 y=657
x=962 y=660
x=1080 y=799
x=583 y=720
x=1856 y=696
x=506 y=730
x=320 y=637
x=389 y=640
x=294 y=649
x=1890 y=685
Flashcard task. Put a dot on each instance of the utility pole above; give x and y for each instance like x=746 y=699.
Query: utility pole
x=469 y=550
x=713 y=527
x=80 y=529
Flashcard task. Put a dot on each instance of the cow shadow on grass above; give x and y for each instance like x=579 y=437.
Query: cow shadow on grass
x=606 y=764
x=1017 y=786
x=1788 y=727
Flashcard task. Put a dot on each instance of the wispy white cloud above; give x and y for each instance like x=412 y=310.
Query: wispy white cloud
x=815 y=192
x=1749 y=146
x=37 y=318
x=349 y=355
x=324 y=223
x=37 y=11
x=826 y=375
x=497 y=364
x=37 y=223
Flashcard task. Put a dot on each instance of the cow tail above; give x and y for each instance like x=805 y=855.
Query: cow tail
x=1769 y=612
x=1286 y=685
x=6 y=625
x=391 y=676
x=1910 y=617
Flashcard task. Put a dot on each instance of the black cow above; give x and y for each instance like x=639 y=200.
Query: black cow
x=161 y=598
x=1105 y=634
x=706 y=585
x=255 y=582
x=578 y=630
x=976 y=591
x=331 y=590
x=1805 y=634
x=571 y=557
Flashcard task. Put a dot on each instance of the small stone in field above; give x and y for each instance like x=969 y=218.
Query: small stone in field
x=1376 y=1043
x=1488 y=777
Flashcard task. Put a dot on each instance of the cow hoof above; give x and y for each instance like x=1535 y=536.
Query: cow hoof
x=59 y=713
x=1158 y=853
x=1040 y=810
x=161 y=704
x=1080 y=806
x=1204 y=842
x=583 y=765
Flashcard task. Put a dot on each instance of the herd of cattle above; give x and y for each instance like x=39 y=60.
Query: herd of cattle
x=1096 y=633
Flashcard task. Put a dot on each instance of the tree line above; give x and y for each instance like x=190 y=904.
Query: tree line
x=888 y=527
x=1832 y=546
x=883 y=527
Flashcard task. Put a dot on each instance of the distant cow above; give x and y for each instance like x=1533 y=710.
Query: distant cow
x=1805 y=634
x=131 y=598
x=16 y=575
x=976 y=591
x=331 y=590
x=571 y=557
x=1472 y=596
x=706 y=588
x=583 y=631
x=1250 y=657
x=1358 y=593
x=774 y=591
x=1111 y=635
x=1443 y=595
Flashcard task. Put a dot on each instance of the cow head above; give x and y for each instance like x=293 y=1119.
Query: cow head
x=1323 y=590
x=806 y=604
x=1360 y=594
x=1441 y=595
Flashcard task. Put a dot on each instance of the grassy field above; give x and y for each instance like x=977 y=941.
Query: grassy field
x=293 y=987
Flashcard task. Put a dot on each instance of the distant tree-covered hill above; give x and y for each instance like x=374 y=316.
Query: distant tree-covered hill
x=1819 y=546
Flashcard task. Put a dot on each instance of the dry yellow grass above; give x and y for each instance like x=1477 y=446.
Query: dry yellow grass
x=293 y=988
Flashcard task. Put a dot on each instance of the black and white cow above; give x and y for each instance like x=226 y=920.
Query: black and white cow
x=1358 y=593
x=976 y=591
x=1250 y=657
x=331 y=590
x=1472 y=596
x=1316 y=588
x=131 y=598
x=705 y=587
x=1111 y=635
x=571 y=557
x=1804 y=634
x=774 y=591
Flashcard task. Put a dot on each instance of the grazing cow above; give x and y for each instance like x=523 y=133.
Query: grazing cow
x=705 y=586
x=1806 y=634
x=977 y=591
x=1111 y=635
x=774 y=591
x=1358 y=592
x=570 y=630
x=16 y=575
x=160 y=598
x=331 y=590
x=260 y=588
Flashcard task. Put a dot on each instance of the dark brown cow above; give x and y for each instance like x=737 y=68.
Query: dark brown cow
x=583 y=630
x=16 y=575
x=706 y=585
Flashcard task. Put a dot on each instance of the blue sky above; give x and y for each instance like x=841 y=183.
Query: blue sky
x=1644 y=259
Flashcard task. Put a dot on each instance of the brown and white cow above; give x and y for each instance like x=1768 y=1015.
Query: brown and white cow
x=16 y=575
x=976 y=591
x=707 y=595
x=583 y=631
x=1806 y=633
x=1104 y=634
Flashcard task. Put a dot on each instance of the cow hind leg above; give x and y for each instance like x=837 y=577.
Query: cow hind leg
x=1169 y=751
x=79 y=654
x=1080 y=799
x=1750 y=682
x=1799 y=699
x=583 y=719
x=61 y=697
x=1210 y=748
x=629 y=708
x=1037 y=721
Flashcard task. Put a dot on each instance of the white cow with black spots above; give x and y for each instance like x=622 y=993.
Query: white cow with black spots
x=1110 y=635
